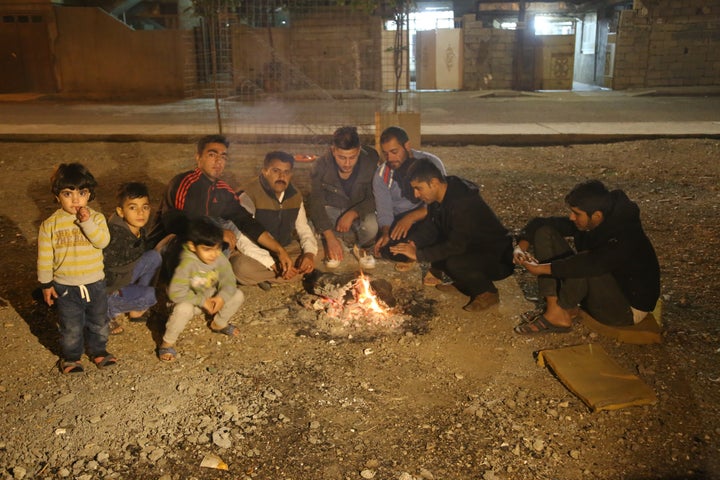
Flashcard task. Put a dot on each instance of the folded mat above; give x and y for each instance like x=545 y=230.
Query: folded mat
x=591 y=374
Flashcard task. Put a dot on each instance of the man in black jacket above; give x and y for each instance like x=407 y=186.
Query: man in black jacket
x=613 y=272
x=460 y=236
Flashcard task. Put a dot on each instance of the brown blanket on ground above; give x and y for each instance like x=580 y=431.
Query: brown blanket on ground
x=591 y=374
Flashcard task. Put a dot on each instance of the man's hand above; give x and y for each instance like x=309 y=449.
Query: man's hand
x=346 y=220
x=538 y=268
x=380 y=243
x=521 y=256
x=401 y=228
x=305 y=263
x=230 y=238
x=334 y=248
x=284 y=264
x=49 y=295
x=213 y=305
x=408 y=249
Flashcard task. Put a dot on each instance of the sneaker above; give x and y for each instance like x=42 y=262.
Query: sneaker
x=332 y=263
x=482 y=302
x=367 y=262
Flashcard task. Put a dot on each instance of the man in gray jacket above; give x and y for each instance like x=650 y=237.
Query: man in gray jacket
x=341 y=203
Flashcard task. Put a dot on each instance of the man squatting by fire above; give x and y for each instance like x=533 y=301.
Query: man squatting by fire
x=471 y=253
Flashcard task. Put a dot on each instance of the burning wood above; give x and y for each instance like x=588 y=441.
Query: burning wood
x=352 y=302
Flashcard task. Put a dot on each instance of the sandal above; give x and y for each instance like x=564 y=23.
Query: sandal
x=107 y=360
x=166 y=354
x=116 y=327
x=431 y=280
x=67 y=366
x=538 y=325
x=404 y=266
x=530 y=315
x=230 y=330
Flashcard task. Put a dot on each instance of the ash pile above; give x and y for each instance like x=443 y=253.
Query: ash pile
x=358 y=307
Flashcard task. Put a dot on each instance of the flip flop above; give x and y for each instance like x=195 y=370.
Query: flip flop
x=67 y=367
x=430 y=280
x=539 y=325
x=102 y=361
x=116 y=327
x=229 y=330
x=404 y=266
x=166 y=351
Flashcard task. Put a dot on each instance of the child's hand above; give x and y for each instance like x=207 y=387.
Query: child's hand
x=49 y=295
x=83 y=214
x=213 y=305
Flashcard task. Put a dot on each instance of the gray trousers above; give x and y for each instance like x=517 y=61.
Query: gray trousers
x=600 y=296
x=184 y=312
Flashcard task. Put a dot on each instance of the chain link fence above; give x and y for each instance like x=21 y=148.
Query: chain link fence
x=299 y=70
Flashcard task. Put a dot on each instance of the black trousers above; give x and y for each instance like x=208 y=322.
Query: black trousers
x=600 y=296
x=473 y=272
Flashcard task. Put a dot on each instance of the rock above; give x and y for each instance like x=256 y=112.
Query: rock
x=156 y=455
x=314 y=425
x=538 y=445
x=102 y=457
x=20 y=472
x=63 y=473
x=367 y=473
x=372 y=463
x=575 y=454
x=70 y=397
x=405 y=476
x=489 y=475
x=221 y=438
x=426 y=474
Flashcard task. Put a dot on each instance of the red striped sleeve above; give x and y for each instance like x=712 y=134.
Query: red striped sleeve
x=184 y=187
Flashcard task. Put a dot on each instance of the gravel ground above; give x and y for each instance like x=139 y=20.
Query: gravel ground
x=461 y=398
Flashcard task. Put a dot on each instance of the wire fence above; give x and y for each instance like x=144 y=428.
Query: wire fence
x=301 y=70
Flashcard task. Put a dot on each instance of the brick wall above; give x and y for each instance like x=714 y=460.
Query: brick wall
x=668 y=43
x=329 y=50
x=488 y=56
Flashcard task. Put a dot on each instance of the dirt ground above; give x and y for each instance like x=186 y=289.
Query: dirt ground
x=463 y=399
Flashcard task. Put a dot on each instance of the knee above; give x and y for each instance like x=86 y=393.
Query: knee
x=239 y=297
x=546 y=232
x=183 y=310
x=154 y=259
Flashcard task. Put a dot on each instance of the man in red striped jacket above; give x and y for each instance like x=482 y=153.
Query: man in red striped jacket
x=201 y=192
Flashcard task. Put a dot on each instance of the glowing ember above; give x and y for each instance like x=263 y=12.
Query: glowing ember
x=357 y=307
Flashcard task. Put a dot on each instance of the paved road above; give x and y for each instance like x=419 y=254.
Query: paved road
x=487 y=117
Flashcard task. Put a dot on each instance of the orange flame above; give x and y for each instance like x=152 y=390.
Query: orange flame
x=366 y=297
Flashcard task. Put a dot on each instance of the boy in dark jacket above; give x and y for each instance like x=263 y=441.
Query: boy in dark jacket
x=613 y=272
x=130 y=263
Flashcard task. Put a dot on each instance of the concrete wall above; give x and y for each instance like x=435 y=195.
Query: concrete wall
x=332 y=50
x=97 y=55
x=488 y=56
x=668 y=43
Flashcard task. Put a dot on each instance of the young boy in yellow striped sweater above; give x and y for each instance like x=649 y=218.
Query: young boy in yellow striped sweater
x=70 y=268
